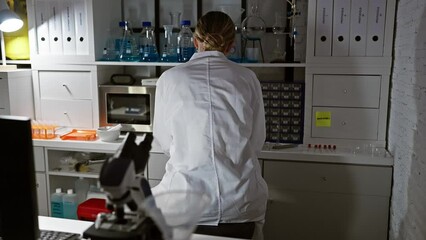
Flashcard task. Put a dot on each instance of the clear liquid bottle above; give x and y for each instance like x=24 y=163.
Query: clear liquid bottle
x=70 y=204
x=56 y=203
x=129 y=47
x=185 y=40
x=147 y=48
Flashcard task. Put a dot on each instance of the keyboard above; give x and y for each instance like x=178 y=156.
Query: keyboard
x=57 y=235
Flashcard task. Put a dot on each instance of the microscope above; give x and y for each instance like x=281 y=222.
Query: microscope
x=121 y=178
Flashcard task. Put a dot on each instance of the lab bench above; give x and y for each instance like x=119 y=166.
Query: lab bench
x=315 y=192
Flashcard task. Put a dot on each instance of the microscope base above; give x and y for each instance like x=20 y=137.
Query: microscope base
x=146 y=230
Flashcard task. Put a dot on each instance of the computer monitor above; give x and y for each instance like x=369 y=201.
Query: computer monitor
x=18 y=194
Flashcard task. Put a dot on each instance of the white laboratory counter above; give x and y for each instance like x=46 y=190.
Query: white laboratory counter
x=77 y=226
x=344 y=155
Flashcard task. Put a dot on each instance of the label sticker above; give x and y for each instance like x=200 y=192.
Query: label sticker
x=323 y=119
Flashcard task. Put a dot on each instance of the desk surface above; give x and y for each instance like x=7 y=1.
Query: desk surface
x=77 y=226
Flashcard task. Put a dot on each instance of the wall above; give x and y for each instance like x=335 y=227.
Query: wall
x=407 y=123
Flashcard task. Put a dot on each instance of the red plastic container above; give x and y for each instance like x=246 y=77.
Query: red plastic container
x=89 y=209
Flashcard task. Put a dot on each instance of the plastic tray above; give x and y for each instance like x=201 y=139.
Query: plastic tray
x=82 y=135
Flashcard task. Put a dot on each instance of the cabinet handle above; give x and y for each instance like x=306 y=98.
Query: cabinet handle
x=65 y=113
x=343 y=123
x=345 y=91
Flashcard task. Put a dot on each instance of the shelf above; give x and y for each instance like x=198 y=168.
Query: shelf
x=73 y=174
x=166 y=64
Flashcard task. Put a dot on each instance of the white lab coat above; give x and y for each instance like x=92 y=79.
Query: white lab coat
x=209 y=118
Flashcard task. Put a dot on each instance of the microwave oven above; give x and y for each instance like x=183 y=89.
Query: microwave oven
x=129 y=105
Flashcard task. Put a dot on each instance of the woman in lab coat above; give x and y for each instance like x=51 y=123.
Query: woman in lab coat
x=209 y=118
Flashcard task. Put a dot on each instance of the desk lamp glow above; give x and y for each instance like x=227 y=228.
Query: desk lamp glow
x=9 y=22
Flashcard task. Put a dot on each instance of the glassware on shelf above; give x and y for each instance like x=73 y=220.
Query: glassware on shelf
x=278 y=53
x=147 y=46
x=253 y=26
x=129 y=47
x=185 y=42
x=175 y=19
x=168 y=53
x=279 y=24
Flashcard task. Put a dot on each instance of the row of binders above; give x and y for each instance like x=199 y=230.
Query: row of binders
x=350 y=27
x=61 y=27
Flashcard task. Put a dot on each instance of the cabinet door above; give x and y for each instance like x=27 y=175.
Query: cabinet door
x=312 y=201
x=42 y=199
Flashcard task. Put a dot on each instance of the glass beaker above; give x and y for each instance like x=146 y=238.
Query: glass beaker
x=169 y=51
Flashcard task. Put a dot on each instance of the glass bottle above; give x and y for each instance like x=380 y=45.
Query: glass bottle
x=147 y=48
x=185 y=40
x=278 y=53
x=129 y=47
x=168 y=53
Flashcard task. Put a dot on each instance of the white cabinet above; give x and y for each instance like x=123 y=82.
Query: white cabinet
x=312 y=201
x=16 y=93
x=347 y=79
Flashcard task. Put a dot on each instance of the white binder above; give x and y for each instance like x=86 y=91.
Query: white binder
x=376 y=27
x=68 y=27
x=55 y=28
x=42 y=26
x=323 y=28
x=80 y=13
x=341 y=23
x=358 y=28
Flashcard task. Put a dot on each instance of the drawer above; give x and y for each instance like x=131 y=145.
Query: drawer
x=39 y=159
x=157 y=166
x=329 y=178
x=346 y=91
x=65 y=85
x=74 y=113
x=348 y=123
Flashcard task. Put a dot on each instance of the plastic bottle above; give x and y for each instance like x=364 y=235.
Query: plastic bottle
x=185 y=40
x=81 y=188
x=129 y=46
x=70 y=204
x=56 y=203
x=147 y=48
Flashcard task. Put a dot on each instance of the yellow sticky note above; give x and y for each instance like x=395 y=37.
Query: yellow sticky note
x=323 y=119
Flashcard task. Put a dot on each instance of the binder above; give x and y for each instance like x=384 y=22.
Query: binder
x=376 y=27
x=80 y=16
x=323 y=27
x=68 y=27
x=55 y=28
x=341 y=24
x=358 y=28
x=42 y=26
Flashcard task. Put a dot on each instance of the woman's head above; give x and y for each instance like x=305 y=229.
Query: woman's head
x=215 y=31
